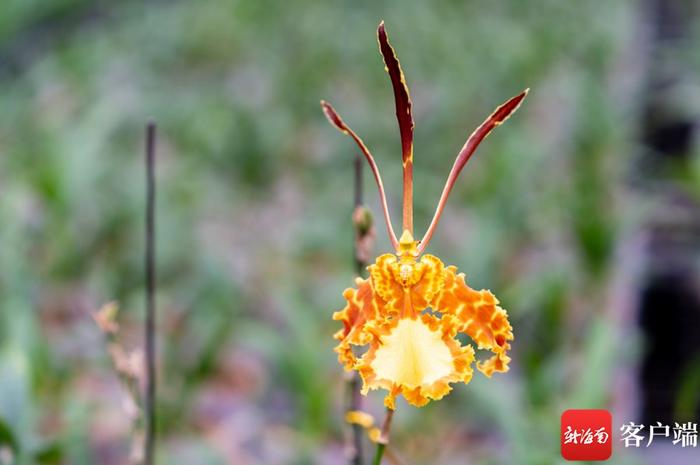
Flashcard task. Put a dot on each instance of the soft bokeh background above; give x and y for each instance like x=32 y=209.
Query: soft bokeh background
x=580 y=213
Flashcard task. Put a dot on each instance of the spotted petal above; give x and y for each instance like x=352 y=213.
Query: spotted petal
x=362 y=305
x=480 y=316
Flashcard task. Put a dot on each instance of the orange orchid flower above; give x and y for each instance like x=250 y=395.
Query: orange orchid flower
x=411 y=308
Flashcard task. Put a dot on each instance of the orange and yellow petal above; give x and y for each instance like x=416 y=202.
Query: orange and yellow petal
x=480 y=316
x=346 y=357
x=382 y=274
x=412 y=352
x=362 y=305
x=496 y=364
x=415 y=360
x=363 y=316
x=431 y=281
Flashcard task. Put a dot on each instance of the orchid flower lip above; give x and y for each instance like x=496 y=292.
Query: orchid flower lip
x=413 y=352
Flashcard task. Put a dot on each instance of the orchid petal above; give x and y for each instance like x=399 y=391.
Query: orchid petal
x=337 y=121
x=405 y=119
x=496 y=119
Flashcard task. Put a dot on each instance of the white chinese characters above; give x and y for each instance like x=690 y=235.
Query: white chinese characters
x=630 y=434
x=685 y=433
x=585 y=436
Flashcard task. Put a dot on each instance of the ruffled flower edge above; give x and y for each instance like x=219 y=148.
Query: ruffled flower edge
x=367 y=318
x=419 y=395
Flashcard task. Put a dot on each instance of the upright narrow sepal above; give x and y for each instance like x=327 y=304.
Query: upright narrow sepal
x=405 y=119
x=338 y=122
x=497 y=118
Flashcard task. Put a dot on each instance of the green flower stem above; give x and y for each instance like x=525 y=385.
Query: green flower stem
x=378 y=455
x=383 y=437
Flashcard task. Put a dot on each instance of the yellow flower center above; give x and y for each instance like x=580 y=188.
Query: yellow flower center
x=405 y=271
x=407 y=245
x=412 y=355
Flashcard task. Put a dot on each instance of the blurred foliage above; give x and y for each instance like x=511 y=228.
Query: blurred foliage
x=254 y=204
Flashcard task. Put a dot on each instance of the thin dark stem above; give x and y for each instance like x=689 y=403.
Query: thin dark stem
x=358 y=181
x=359 y=262
x=386 y=426
x=356 y=455
x=150 y=397
x=355 y=401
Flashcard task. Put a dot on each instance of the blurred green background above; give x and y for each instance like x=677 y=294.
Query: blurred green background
x=254 y=204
